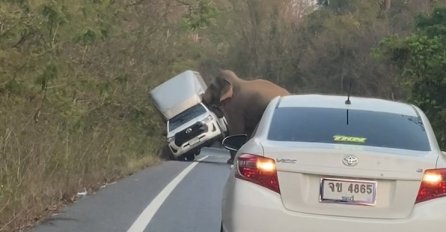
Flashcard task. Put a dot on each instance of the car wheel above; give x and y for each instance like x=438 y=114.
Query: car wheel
x=221 y=227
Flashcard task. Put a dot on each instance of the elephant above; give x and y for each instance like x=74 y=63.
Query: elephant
x=241 y=101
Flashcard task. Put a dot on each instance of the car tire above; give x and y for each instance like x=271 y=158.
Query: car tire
x=191 y=155
x=221 y=227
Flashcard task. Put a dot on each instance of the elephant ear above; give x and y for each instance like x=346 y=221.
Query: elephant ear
x=226 y=90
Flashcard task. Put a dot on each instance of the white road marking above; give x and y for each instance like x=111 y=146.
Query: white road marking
x=146 y=216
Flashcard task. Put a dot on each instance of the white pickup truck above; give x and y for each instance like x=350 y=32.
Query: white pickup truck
x=190 y=124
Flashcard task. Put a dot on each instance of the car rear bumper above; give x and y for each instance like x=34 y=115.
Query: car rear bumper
x=198 y=141
x=249 y=207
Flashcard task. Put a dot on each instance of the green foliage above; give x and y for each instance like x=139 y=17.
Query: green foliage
x=74 y=75
x=334 y=50
x=333 y=46
x=200 y=14
x=53 y=13
x=421 y=58
x=50 y=73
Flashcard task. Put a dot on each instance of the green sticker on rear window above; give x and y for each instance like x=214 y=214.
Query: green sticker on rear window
x=351 y=139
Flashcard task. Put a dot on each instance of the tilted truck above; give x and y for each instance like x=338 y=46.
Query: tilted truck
x=190 y=124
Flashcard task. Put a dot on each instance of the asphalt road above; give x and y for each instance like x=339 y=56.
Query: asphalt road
x=173 y=196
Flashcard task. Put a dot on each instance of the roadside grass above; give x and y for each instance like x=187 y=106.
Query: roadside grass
x=43 y=165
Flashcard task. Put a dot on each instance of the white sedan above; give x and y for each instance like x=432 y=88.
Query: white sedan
x=321 y=163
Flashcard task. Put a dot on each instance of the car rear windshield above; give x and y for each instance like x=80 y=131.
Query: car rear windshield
x=186 y=116
x=327 y=125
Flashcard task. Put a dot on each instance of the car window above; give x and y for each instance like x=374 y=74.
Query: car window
x=327 y=125
x=186 y=116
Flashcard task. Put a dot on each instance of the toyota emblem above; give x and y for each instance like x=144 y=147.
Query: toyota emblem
x=189 y=130
x=350 y=160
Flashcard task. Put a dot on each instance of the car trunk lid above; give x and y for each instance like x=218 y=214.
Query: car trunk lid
x=321 y=181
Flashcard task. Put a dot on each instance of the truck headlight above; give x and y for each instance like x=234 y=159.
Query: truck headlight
x=171 y=139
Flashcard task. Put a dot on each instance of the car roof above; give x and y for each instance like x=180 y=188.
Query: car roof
x=338 y=102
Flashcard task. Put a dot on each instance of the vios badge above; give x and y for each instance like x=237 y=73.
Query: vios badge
x=188 y=130
x=350 y=160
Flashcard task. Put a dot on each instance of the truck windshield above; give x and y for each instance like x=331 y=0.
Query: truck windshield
x=186 y=116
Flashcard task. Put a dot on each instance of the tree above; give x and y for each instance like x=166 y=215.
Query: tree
x=334 y=45
x=421 y=59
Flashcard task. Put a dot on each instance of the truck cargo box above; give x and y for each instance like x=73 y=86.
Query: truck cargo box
x=178 y=93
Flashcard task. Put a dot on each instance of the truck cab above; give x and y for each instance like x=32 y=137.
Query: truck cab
x=192 y=129
x=190 y=124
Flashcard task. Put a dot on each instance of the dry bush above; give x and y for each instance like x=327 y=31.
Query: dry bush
x=45 y=164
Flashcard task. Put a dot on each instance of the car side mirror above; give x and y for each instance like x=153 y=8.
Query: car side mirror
x=234 y=142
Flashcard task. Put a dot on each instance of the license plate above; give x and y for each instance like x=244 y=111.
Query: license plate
x=194 y=141
x=345 y=191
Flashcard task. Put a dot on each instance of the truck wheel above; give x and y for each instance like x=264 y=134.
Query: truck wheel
x=190 y=156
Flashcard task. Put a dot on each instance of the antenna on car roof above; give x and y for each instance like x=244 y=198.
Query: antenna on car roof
x=348 y=102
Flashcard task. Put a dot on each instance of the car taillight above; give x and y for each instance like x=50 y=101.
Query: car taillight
x=433 y=185
x=259 y=170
